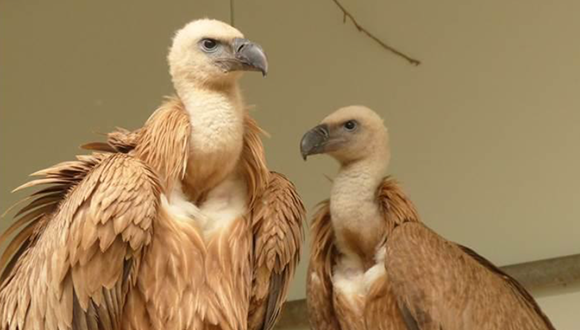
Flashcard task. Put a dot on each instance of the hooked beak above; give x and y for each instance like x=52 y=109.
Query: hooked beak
x=314 y=141
x=250 y=56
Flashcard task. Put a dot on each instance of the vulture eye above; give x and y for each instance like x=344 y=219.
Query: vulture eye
x=350 y=125
x=209 y=45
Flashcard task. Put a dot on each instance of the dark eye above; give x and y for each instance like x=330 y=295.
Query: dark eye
x=209 y=45
x=350 y=125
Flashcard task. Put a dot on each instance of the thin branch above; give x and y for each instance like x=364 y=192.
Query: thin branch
x=232 y=23
x=346 y=14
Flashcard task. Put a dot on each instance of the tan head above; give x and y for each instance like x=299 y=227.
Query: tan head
x=349 y=134
x=209 y=52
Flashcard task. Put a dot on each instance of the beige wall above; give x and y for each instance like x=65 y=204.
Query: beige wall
x=484 y=134
x=562 y=309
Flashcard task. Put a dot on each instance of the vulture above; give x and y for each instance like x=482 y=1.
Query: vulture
x=176 y=225
x=374 y=265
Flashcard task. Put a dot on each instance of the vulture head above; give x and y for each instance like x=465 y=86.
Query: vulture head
x=349 y=135
x=208 y=52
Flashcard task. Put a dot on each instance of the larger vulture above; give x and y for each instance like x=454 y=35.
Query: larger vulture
x=177 y=225
x=374 y=265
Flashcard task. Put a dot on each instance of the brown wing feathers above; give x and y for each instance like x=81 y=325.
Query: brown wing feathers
x=277 y=227
x=96 y=214
x=60 y=178
x=319 y=288
x=513 y=283
x=252 y=162
x=396 y=207
x=401 y=209
x=120 y=140
x=394 y=202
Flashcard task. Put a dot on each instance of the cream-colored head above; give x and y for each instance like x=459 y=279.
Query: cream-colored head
x=208 y=53
x=349 y=135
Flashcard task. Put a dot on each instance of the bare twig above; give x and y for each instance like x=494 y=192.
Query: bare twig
x=346 y=14
x=232 y=23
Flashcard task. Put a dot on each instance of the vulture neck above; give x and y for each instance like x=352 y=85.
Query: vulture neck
x=216 y=115
x=355 y=213
x=358 y=182
x=200 y=99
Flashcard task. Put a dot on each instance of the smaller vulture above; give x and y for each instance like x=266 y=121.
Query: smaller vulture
x=374 y=265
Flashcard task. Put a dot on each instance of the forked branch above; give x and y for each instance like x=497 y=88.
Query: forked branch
x=347 y=14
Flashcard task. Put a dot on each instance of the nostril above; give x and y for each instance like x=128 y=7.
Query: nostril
x=240 y=47
x=322 y=131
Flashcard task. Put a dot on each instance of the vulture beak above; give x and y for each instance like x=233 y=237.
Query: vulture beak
x=314 y=141
x=249 y=56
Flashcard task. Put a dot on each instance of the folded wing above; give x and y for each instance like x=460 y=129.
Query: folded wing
x=278 y=234
x=440 y=284
x=77 y=256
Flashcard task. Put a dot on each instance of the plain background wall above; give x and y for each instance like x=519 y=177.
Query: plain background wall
x=484 y=133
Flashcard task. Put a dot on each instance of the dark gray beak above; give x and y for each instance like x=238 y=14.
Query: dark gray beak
x=314 y=141
x=250 y=55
